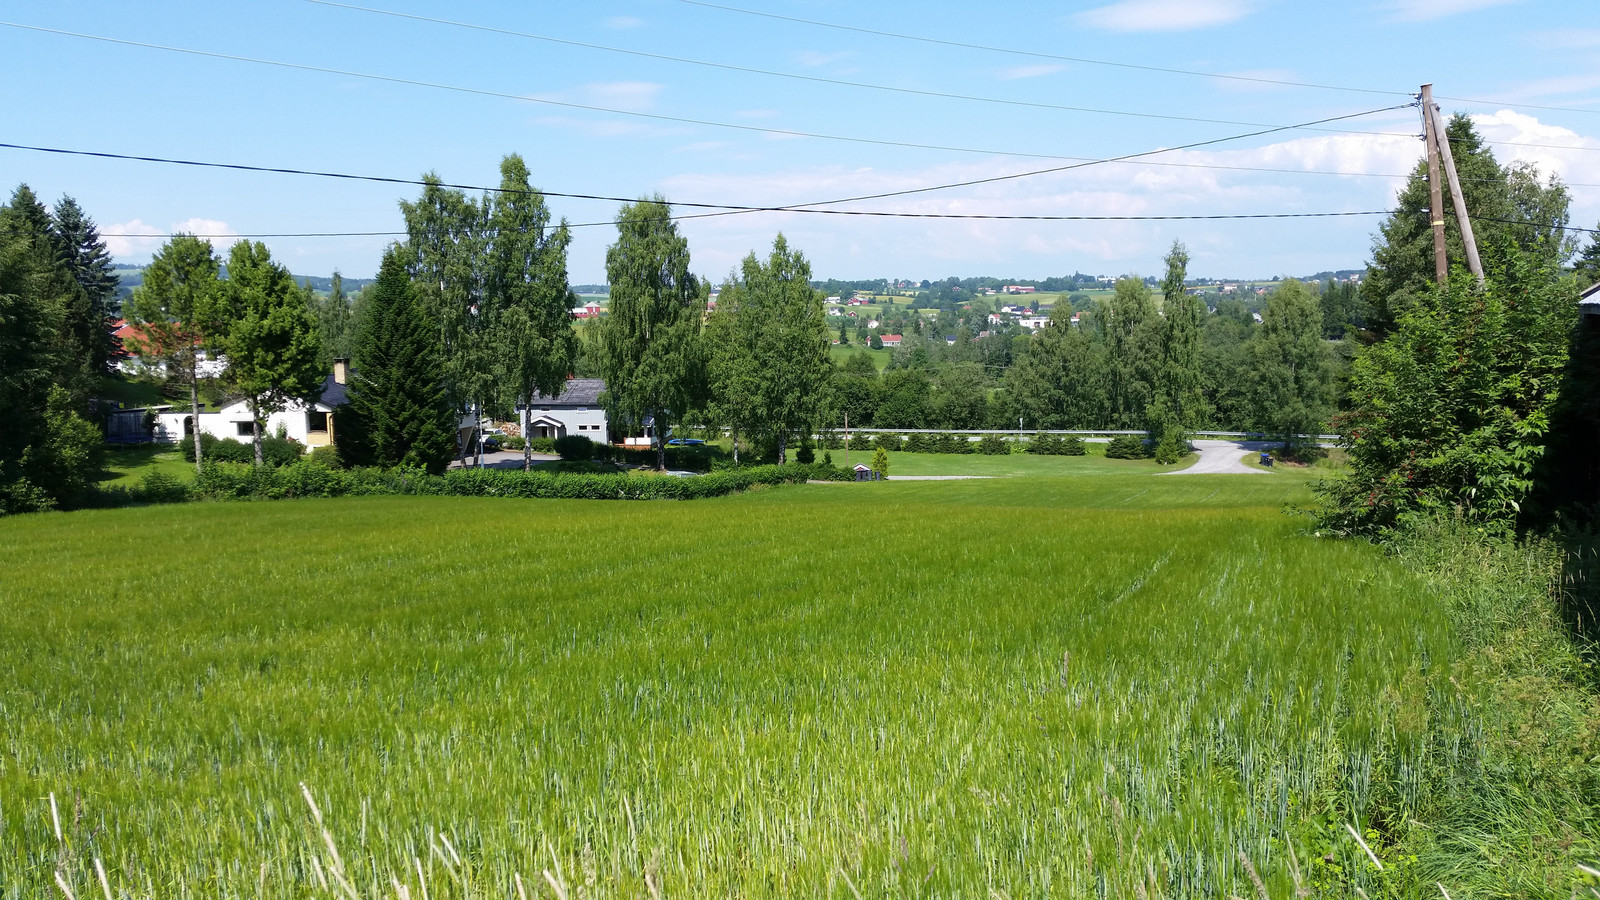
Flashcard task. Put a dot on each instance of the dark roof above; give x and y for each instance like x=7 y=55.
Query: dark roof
x=333 y=393
x=576 y=392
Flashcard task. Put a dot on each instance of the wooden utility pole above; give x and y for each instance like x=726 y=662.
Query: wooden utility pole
x=1442 y=141
x=1441 y=266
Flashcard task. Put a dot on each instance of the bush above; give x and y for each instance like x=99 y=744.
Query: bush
x=326 y=456
x=543 y=445
x=159 y=487
x=859 y=441
x=889 y=442
x=574 y=447
x=916 y=442
x=1072 y=446
x=235 y=481
x=942 y=443
x=962 y=445
x=275 y=451
x=994 y=445
x=1172 y=447
x=832 y=441
x=1126 y=446
x=1044 y=444
x=513 y=442
x=806 y=456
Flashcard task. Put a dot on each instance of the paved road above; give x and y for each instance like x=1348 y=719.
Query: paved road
x=502 y=459
x=1225 y=458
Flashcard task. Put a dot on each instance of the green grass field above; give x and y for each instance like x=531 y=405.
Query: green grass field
x=1094 y=462
x=126 y=465
x=840 y=352
x=1020 y=687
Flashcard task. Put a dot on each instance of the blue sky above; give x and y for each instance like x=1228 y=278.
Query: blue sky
x=1510 y=57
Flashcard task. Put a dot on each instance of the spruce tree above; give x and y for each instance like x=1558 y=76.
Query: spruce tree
x=1180 y=401
x=399 y=413
x=87 y=259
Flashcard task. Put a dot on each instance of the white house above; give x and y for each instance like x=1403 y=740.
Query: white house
x=576 y=411
x=1034 y=321
x=890 y=340
x=311 y=425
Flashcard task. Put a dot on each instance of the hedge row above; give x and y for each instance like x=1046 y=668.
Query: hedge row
x=241 y=482
x=993 y=444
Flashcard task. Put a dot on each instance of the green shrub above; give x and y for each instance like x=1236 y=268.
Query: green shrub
x=543 y=445
x=275 y=451
x=1126 y=446
x=994 y=445
x=889 y=442
x=236 y=481
x=159 y=487
x=1173 y=446
x=916 y=442
x=859 y=441
x=513 y=442
x=326 y=456
x=1072 y=446
x=832 y=441
x=962 y=445
x=1044 y=444
x=574 y=447
x=806 y=456
x=942 y=443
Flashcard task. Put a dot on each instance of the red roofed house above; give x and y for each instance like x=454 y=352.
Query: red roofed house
x=890 y=340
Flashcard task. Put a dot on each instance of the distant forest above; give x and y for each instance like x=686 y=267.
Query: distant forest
x=130 y=277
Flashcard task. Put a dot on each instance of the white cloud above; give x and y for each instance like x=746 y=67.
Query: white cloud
x=637 y=96
x=1163 y=15
x=124 y=245
x=1014 y=72
x=623 y=22
x=1428 y=10
x=127 y=241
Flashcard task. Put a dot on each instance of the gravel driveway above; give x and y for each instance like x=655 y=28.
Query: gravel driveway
x=1226 y=458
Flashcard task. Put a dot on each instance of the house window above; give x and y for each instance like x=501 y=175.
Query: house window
x=316 y=421
x=245 y=429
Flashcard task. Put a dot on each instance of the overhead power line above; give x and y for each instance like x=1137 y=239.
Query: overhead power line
x=815 y=79
x=1254 y=79
x=725 y=209
x=660 y=117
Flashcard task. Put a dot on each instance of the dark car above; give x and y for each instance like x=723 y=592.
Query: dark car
x=685 y=442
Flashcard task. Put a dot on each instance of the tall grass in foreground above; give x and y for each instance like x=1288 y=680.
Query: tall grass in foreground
x=1041 y=688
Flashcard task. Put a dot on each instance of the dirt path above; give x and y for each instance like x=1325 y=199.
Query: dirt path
x=1225 y=458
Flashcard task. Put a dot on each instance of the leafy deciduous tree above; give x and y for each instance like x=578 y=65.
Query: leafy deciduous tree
x=271 y=337
x=178 y=313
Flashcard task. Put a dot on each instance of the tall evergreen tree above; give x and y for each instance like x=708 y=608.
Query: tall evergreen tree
x=527 y=281
x=87 y=259
x=650 y=352
x=178 y=314
x=271 y=337
x=399 y=411
x=1588 y=262
x=48 y=452
x=1402 y=267
x=1180 y=402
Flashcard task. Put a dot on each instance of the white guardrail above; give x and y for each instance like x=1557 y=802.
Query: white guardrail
x=1247 y=435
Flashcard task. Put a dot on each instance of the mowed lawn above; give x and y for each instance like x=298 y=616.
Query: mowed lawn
x=1032 y=686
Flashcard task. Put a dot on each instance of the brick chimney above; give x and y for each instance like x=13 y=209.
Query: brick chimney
x=341 y=370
